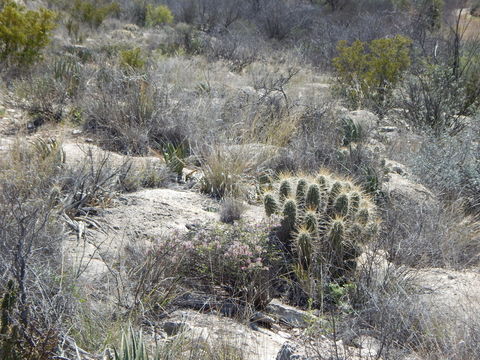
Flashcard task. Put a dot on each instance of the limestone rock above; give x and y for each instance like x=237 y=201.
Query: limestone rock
x=289 y=315
x=366 y=119
x=402 y=189
x=290 y=351
x=211 y=329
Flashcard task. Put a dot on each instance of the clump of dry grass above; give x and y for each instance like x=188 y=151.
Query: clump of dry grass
x=231 y=210
x=226 y=173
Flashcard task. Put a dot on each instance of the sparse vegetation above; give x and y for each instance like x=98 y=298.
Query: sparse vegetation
x=158 y=159
x=158 y=15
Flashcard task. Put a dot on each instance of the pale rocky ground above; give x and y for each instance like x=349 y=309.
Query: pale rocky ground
x=153 y=213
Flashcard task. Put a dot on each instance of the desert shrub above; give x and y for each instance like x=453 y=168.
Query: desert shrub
x=231 y=210
x=238 y=258
x=45 y=100
x=92 y=13
x=23 y=33
x=232 y=47
x=369 y=71
x=435 y=100
x=151 y=174
x=279 y=20
x=449 y=166
x=209 y=15
x=475 y=9
x=335 y=5
x=188 y=39
x=436 y=235
x=324 y=222
x=33 y=303
x=354 y=160
x=393 y=310
x=46 y=93
x=132 y=59
x=430 y=13
x=158 y=15
x=129 y=113
x=385 y=303
x=92 y=183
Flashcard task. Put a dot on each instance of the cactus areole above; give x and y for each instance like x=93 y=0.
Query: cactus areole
x=327 y=220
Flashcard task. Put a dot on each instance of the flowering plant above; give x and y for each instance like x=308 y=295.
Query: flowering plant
x=235 y=257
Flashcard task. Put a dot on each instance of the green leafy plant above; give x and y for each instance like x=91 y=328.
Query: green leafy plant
x=369 y=71
x=23 y=33
x=92 y=13
x=132 y=347
x=175 y=158
x=132 y=59
x=49 y=148
x=158 y=15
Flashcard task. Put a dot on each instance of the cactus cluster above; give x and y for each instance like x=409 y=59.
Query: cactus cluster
x=325 y=219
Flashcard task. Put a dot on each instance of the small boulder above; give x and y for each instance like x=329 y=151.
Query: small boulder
x=289 y=315
x=366 y=119
x=174 y=328
x=402 y=189
x=290 y=351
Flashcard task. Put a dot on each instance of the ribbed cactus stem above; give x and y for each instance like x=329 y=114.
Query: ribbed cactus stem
x=325 y=223
x=322 y=182
x=271 y=206
x=289 y=214
x=310 y=221
x=312 y=200
x=301 y=189
x=334 y=192
x=304 y=248
x=336 y=234
x=285 y=190
x=340 y=207
x=300 y=193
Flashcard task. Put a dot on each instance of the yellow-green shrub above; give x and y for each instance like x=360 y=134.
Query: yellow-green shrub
x=23 y=33
x=158 y=15
x=92 y=13
x=132 y=58
x=369 y=71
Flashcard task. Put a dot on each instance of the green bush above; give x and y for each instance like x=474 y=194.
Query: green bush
x=158 y=15
x=132 y=59
x=369 y=71
x=92 y=13
x=23 y=33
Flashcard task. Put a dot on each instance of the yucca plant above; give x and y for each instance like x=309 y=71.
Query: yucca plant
x=132 y=347
x=175 y=158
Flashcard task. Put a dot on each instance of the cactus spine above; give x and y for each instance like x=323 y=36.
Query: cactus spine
x=270 y=205
x=289 y=215
x=304 y=247
x=285 y=190
x=327 y=217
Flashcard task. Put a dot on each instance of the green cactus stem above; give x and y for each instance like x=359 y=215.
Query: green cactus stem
x=271 y=206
